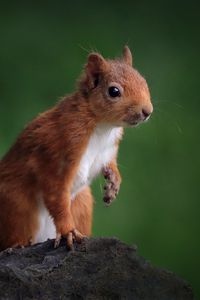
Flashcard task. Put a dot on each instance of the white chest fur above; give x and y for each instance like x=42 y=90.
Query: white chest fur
x=46 y=228
x=99 y=152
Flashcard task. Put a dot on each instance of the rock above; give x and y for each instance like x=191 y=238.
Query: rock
x=99 y=268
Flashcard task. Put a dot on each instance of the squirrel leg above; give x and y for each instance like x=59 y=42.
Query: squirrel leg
x=113 y=181
x=66 y=229
x=18 y=225
x=58 y=202
x=82 y=211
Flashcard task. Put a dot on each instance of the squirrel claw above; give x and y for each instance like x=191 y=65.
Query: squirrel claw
x=57 y=240
x=107 y=200
x=69 y=238
x=78 y=236
x=73 y=235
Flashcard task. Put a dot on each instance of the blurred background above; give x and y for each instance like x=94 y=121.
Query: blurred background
x=43 y=48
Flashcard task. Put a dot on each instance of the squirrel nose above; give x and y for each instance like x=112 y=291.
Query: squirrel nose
x=146 y=113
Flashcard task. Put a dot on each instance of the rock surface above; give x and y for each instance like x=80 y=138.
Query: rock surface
x=99 y=268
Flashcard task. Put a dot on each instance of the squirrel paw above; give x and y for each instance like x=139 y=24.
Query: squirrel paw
x=112 y=185
x=73 y=235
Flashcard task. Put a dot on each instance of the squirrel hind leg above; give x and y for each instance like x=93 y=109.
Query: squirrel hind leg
x=18 y=227
x=82 y=211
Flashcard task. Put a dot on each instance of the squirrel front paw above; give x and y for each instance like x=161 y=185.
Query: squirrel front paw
x=68 y=231
x=71 y=236
x=112 y=185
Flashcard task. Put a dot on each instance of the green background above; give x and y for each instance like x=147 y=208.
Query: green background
x=42 y=50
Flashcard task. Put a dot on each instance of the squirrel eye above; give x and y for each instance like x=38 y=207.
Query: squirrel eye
x=114 y=92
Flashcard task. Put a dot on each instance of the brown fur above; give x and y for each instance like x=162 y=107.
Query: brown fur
x=82 y=209
x=46 y=155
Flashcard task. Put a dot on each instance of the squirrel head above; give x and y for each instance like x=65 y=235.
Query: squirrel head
x=115 y=91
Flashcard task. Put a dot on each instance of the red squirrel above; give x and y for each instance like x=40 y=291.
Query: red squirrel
x=45 y=177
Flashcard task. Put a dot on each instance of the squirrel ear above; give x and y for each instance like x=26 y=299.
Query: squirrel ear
x=127 y=56
x=96 y=64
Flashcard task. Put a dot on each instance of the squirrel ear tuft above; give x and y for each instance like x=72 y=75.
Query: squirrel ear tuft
x=127 y=56
x=96 y=64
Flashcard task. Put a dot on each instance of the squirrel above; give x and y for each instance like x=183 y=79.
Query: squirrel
x=45 y=177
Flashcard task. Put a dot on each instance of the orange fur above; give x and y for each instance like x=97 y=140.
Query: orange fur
x=46 y=156
x=82 y=209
